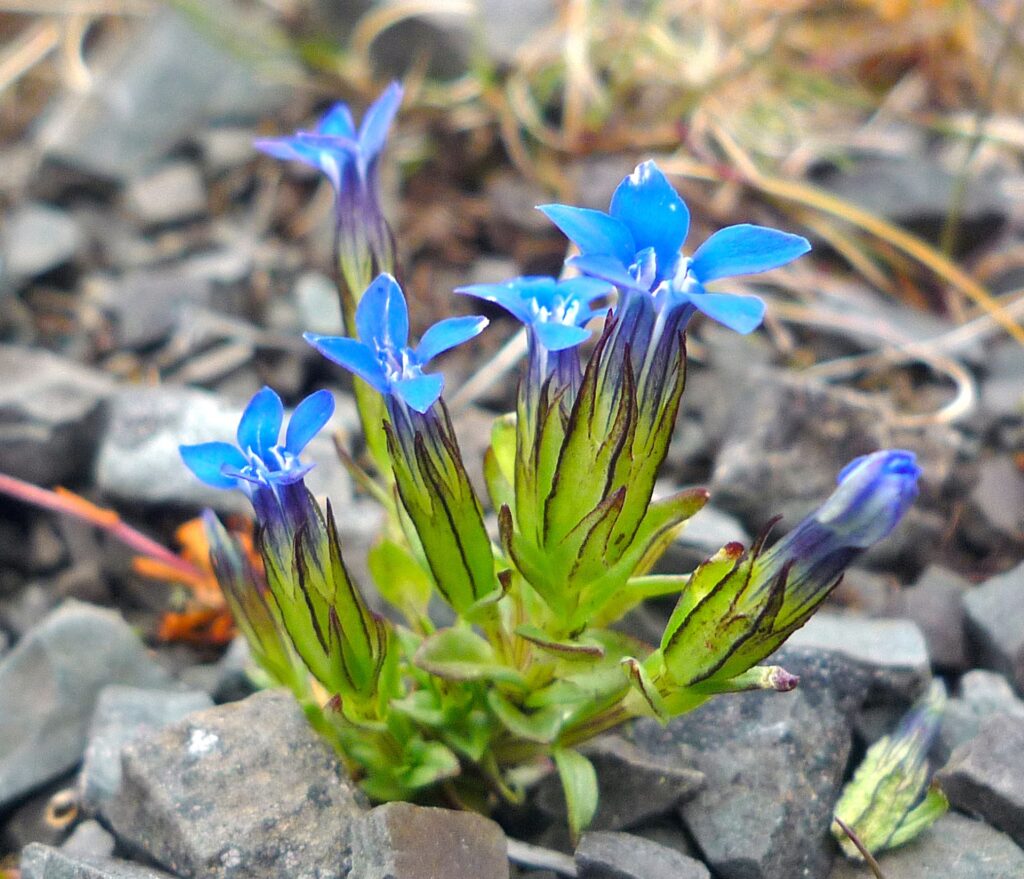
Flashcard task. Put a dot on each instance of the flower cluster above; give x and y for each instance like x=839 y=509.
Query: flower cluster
x=529 y=666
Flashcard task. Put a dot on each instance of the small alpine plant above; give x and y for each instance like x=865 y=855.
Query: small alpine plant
x=530 y=668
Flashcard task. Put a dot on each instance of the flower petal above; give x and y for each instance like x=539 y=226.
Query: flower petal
x=419 y=392
x=289 y=149
x=307 y=420
x=508 y=295
x=373 y=132
x=260 y=424
x=448 y=333
x=559 y=337
x=593 y=232
x=585 y=290
x=740 y=313
x=382 y=317
x=337 y=122
x=354 y=356
x=745 y=250
x=654 y=213
x=604 y=268
x=208 y=460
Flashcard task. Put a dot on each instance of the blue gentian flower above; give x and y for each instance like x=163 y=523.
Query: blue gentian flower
x=873 y=493
x=636 y=246
x=557 y=312
x=335 y=146
x=260 y=460
x=381 y=355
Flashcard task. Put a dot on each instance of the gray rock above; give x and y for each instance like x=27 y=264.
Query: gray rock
x=706 y=533
x=916 y=191
x=506 y=28
x=172 y=193
x=1002 y=391
x=316 y=299
x=151 y=92
x=605 y=855
x=786 y=439
x=139 y=462
x=148 y=304
x=999 y=494
x=48 y=687
x=892 y=652
x=634 y=784
x=37 y=238
x=954 y=847
x=995 y=623
x=226 y=147
x=50 y=415
x=403 y=841
x=247 y=789
x=774 y=763
x=123 y=714
x=983 y=694
x=983 y=776
x=936 y=603
x=43 y=862
x=26 y=608
x=89 y=839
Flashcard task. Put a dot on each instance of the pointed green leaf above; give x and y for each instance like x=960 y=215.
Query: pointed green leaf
x=575 y=650
x=579 y=782
x=462 y=655
x=540 y=726
x=398 y=576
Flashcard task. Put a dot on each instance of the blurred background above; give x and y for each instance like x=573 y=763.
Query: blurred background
x=155 y=271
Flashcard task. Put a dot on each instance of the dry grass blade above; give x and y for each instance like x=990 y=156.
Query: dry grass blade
x=27 y=50
x=871 y=862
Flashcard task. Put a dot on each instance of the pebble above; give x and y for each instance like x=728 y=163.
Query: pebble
x=89 y=840
x=999 y=494
x=123 y=714
x=609 y=855
x=317 y=303
x=995 y=623
x=983 y=776
x=774 y=764
x=246 y=789
x=42 y=862
x=955 y=847
x=173 y=193
x=936 y=604
x=49 y=684
x=404 y=841
x=36 y=238
x=51 y=415
x=983 y=694
x=893 y=652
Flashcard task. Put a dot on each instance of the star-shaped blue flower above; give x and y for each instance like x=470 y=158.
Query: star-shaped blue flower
x=260 y=459
x=381 y=356
x=636 y=246
x=555 y=311
x=335 y=145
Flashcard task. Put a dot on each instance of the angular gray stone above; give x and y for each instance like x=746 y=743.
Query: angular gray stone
x=983 y=776
x=139 y=462
x=774 y=763
x=403 y=841
x=954 y=847
x=995 y=623
x=983 y=694
x=241 y=790
x=999 y=494
x=170 y=194
x=706 y=533
x=37 y=238
x=608 y=855
x=1002 y=391
x=633 y=784
x=49 y=684
x=151 y=92
x=89 y=839
x=936 y=603
x=123 y=714
x=892 y=652
x=43 y=862
x=51 y=413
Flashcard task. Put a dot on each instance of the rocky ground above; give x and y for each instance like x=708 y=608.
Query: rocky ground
x=155 y=273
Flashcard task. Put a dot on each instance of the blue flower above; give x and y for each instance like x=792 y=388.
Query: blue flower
x=260 y=460
x=873 y=493
x=335 y=146
x=381 y=356
x=636 y=246
x=555 y=311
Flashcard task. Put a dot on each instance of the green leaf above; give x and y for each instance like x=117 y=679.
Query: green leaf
x=646 y=688
x=580 y=651
x=462 y=655
x=927 y=812
x=399 y=577
x=540 y=726
x=579 y=782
